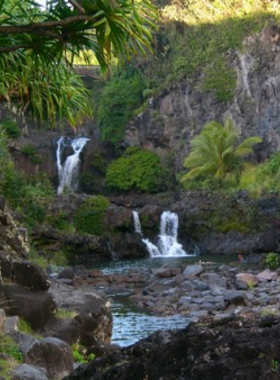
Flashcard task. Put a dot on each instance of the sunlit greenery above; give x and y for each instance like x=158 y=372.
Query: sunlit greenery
x=88 y=218
x=38 y=47
x=216 y=152
x=138 y=169
x=119 y=99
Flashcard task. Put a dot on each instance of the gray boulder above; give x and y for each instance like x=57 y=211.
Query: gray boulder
x=34 y=306
x=29 y=372
x=52 y=354
x=30 y=275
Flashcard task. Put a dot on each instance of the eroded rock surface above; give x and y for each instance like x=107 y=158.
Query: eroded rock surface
x=234 y=348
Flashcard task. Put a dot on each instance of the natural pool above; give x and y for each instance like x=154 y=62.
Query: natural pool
x=130 y=324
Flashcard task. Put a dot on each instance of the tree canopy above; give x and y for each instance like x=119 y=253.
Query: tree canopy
x=216 y=151
x=37 y=47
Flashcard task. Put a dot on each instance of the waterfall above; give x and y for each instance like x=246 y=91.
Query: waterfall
x=68 y=171
x=137 y=224
x=167 y=245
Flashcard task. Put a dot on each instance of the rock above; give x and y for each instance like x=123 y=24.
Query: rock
x=34 y=306
x=11 y=325
x=95 y=320
x=2 y=320
x=67 y=273
x=248 y=278
x=67 y=330
x=267 y=275
x=235 y=297
x=214 y=279
x=30 y=275
x=230 y=348
x=191 y=271
x=52 y=354
x=6 y=265
x=29 y=372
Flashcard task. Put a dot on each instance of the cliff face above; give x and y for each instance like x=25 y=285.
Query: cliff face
x=180 y=111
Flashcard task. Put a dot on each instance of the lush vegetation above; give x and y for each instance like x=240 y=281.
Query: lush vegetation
x=88 y=218
x=137 y=169
x=121 y=96
x=216 y=153
x=38 y=47
x=29 y=196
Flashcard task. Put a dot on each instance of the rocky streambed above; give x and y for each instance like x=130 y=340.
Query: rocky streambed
x=233 y=330
x=194 y=290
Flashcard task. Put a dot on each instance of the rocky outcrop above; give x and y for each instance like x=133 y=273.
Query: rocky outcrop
x=233 y=348
x=181 y=110
x=13 y=239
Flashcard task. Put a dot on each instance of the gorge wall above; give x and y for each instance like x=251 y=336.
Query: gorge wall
x=181 y=111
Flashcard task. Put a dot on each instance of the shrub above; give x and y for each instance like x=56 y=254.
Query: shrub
x=11 y=128
x=10 y=348
x=272 y=261
x=88 y=218
x=137 y=169
x=117 y=103
x=32 y=153
x=80 y=354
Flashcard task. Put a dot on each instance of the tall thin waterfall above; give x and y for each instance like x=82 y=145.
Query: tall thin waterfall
x=167 y=245
x=68 y=171
x=137 y=224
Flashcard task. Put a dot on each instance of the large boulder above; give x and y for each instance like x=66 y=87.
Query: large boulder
x=13 y=240
x=232 y=348
x=37 y=307
x=30 y=275
x=95 y=320
x=52 y=354
x=29 y=372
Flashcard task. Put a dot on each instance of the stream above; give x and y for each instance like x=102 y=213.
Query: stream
x=129 y=323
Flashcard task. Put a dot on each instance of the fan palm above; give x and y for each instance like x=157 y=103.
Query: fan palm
x=216 y=152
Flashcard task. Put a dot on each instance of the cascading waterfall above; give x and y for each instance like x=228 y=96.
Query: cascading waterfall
x=68 y=171
x=137 y=223
x=167 y=245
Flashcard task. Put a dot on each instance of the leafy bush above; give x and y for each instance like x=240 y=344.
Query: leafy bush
x=32 y=153
x=80 y=354
x=272 y=261
x=119 y=99
x=11 y=128
x=10 y=348
x=138 y=169
x=88 y=218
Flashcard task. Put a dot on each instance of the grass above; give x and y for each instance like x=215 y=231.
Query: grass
x=65 y=314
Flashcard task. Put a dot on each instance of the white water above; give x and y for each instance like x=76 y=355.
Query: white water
x=68 y=171
x=167 y=244
x=137 y=224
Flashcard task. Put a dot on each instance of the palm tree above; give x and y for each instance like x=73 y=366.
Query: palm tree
x=35 y=45
x=216 y=152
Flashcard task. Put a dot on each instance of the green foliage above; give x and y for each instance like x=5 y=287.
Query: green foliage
x=220 y=78
x=24 y=326
x=10 y=348
x=88 y=218
x=261 y=178
x=11 y=128
x=137 y=169
x=216 y=152
x=31 y=196
x=272 y=261
x=35 y=61
x=119 y=99
x=65 y=314
x=80 y=354
x=32 y=153
x=200 y=36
